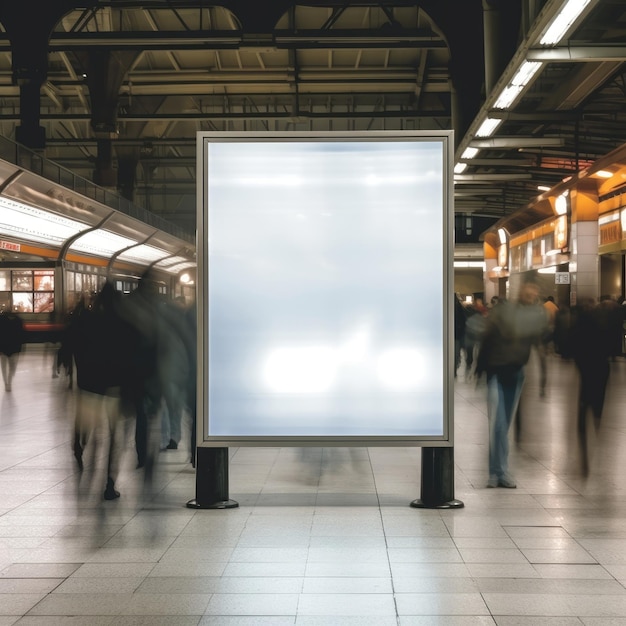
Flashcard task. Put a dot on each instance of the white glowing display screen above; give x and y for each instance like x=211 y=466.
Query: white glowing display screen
x=325 y=274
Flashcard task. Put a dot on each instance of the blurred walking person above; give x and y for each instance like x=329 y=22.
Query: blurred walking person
x=11 y=341
x=591 y=345
x=544 y=348
x=176 y=366
x=98 y=338
x=143 y=389
x=512 y=329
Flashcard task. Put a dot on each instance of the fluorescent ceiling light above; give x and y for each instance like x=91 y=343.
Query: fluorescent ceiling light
x=31 y=224
x=563 y=22
x=181 y=266
x=488 y=127
x=508 y=96
x=101 y=243
x=480 y=264
x=143 y=254
x=470 y=153
x=524 y=74
x=169 y=261
x=603 y=174
x=459 y=168
x=543 y=188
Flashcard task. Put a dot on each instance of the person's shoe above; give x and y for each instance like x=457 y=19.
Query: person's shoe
x=172 y=445
x=492 y=482
x=110 y=493
x=507 y=483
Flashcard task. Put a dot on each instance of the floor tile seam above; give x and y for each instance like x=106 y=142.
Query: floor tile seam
x=125 y=599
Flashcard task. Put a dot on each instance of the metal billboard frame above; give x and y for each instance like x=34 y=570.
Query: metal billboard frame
x=445 y=265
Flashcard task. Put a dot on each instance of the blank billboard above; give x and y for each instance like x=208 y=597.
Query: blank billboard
x=323 y=289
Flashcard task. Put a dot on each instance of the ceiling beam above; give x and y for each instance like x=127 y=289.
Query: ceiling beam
x=470 y=178
x=539 y=117
x=242 y=115
x=500 y=162
x=232 y=39
x=579 y=53
x=516 y=142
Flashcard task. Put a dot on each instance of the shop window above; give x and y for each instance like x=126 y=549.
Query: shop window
x=22 y=302
x=44 y=280
x=5 y=280
x=22 y=281
x=43 y=302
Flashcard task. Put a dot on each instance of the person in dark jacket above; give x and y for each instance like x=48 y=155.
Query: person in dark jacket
x=98 y=338
x=11 y=341
x=143 y=389
x=592 y=345
x=511 y=331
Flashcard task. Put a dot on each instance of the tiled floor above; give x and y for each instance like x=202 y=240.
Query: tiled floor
x=322 y=536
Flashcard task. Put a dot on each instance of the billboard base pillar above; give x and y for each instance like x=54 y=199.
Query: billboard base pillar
x=437 y=486
x=212 y=480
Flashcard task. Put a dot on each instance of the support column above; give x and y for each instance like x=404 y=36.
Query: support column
x=127 y=161
x=459 y=26
x=30 y=133
x=437 y=486
x=501 y=24
x=584 y=265
x=29 y=26
x=105 y=71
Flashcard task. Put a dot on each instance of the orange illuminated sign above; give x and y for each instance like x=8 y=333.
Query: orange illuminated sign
x=610 y=233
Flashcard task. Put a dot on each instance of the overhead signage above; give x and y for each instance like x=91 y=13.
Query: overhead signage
x=9 y=245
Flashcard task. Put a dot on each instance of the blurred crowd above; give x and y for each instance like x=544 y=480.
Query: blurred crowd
x=134 y=359
x=494 y=343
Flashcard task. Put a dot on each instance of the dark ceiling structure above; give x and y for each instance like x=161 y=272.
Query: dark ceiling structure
x=116 y=90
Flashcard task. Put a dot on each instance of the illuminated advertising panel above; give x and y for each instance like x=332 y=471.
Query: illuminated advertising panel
x=324 y=289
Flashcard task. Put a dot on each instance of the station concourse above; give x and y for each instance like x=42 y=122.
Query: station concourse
x=321 y=536
x=100 y=105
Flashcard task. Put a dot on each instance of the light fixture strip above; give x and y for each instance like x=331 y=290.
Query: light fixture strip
x=101 y=243
x=143 y=253
x=564 y=20
x=33 y=224
x=488 y=127
x=525 y=73
x=470 y=153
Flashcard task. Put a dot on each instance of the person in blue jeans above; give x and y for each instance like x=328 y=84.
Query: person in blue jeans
x=511 y=331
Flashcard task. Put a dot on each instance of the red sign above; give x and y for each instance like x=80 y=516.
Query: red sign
x=8 y=245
